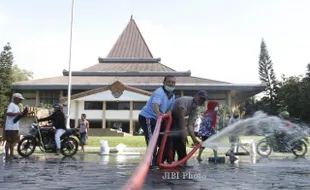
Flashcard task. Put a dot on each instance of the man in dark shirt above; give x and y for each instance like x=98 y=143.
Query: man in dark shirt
x=59 y=122
x=183 y=107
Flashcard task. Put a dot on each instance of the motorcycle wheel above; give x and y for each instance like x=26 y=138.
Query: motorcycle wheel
x=263 y=148
x=27 y=143
x=300 y=148
x=69 y=146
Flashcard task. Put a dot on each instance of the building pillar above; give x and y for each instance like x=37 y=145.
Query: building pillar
x=228 y=99
x=76 y=122
x=182 y=93
x=104 y=114
x=61 y=94
x=37 y=98
x=131 y=118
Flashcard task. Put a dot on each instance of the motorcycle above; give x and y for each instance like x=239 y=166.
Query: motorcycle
x=294 y=141
x=43 y=137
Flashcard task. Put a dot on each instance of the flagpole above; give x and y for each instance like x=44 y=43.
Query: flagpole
x=69 y=82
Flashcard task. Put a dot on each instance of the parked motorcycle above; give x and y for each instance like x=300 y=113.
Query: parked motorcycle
x=295 y=142
x=43 y=137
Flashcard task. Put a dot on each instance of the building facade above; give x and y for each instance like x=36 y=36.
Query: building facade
x=113 y=91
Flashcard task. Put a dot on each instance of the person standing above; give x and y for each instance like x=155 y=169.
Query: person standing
x=160 y=102
x=83 y=127
x=183 y=107
x=208 y=125
x=11 y=127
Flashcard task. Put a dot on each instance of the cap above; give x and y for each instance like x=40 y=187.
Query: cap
x=18 y=95
x=202 y=94
x=58 y=106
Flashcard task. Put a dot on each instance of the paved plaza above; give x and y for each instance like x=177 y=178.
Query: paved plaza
x=93 y=171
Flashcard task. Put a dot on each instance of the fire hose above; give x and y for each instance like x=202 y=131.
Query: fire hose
x=137 y=179
x=162 y=147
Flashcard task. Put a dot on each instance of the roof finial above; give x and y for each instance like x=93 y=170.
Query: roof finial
x=131 y=17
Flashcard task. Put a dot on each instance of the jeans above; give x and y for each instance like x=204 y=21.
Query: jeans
x=58 y=134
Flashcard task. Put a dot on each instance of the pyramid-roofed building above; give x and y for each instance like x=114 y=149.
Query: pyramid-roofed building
x=113 y=91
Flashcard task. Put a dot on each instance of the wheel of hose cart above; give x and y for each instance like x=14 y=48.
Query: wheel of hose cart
x=69 y=146
x=263 y=148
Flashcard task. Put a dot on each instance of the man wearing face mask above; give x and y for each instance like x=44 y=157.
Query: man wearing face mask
x=160 y=102
x=183 y=107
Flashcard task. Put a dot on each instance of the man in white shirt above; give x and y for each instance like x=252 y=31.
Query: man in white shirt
x=11 y=127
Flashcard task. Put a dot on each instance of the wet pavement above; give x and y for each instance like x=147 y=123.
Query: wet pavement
x=111 y=172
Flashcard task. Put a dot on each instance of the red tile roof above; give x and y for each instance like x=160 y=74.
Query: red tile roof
x=107 y=80
x=128 y=67
x=130 y=44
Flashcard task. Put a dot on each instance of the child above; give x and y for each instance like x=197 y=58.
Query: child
x=208 y=124
x=84 y=130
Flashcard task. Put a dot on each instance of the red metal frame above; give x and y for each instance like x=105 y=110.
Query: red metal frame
x=137 y=179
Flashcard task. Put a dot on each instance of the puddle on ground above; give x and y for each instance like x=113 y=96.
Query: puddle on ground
x=111 y=172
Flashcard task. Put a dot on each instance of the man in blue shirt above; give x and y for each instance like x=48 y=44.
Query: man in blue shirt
x=160 y=102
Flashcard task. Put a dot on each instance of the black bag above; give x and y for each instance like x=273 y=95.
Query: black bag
x=25 y=112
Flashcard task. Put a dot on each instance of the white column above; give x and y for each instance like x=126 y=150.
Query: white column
x=131 y=118
x=104 y=114
x=76 y=113
x=37 y=98
x=182 y=93
x=228 y=99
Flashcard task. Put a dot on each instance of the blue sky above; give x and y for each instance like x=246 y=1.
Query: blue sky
x=214 y=39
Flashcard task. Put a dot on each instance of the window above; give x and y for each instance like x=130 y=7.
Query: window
x=93 y=105
x=49 y=97
x=30 y=98
x=177 y=93
x=95 y=124
x=177 y=96
x=190 y=93
x=138 y=105
x=123 y=125
x=118 y=106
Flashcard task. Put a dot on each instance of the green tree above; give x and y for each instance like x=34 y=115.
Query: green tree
x=19 y=74
x=268 y=77
x=6 y=62
x=295 y=97
x=307 y=77
x=250 y=106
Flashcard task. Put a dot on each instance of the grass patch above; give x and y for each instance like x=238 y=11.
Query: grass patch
x=139 y=141
x=129 y=141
